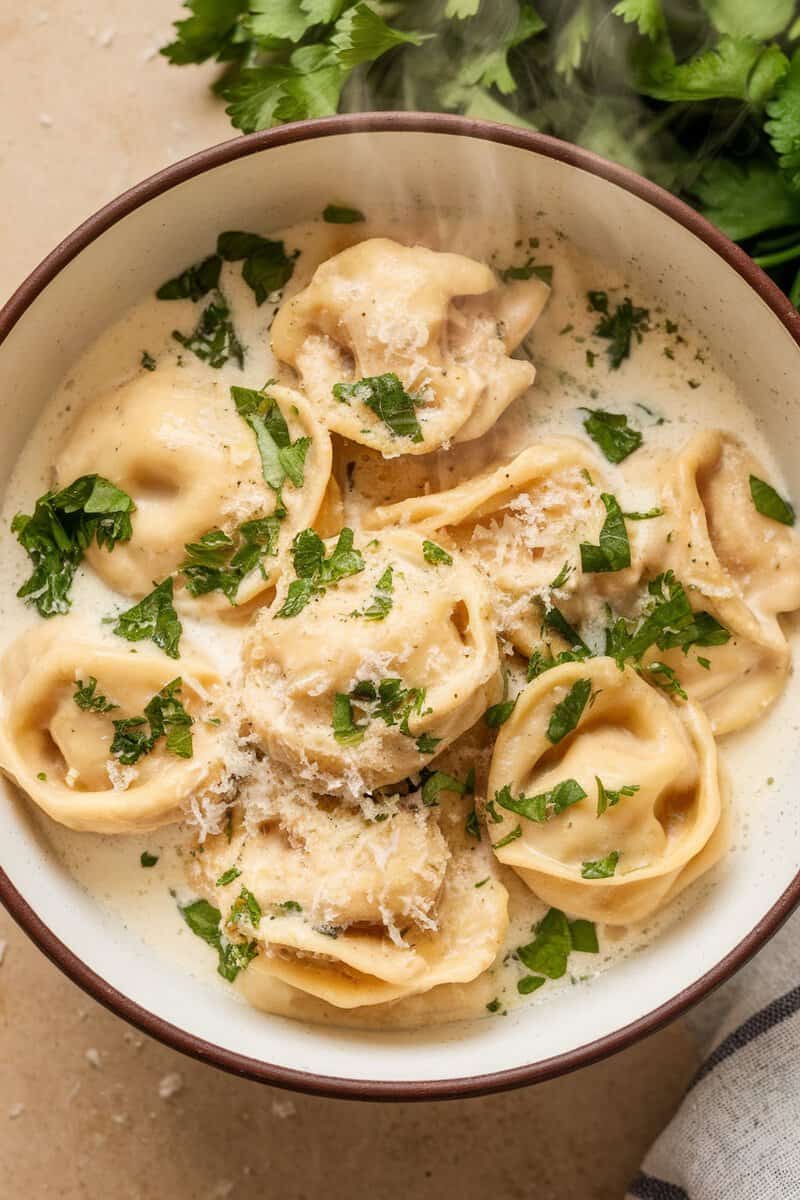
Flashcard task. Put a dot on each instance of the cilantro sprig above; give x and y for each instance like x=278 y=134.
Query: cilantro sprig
x=59 y=531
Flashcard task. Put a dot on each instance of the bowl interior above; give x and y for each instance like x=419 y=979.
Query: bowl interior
x=276 y=186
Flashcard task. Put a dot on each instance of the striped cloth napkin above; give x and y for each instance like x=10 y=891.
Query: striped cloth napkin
x=735 y=1135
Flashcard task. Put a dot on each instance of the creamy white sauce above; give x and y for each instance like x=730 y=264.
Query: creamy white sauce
x=656 y=376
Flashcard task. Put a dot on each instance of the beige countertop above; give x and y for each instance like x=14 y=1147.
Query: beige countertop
x=89 y=1108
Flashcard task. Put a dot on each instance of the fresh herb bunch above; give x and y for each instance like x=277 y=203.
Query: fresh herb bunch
x=702 y=96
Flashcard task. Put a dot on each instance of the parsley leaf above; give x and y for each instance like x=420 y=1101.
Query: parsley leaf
x=547 y=954
x=508 y=839
x=769 y=503
x=58 y=533
x=735 y=69
x=647 y=15
x=612 y=433
x=208 y=33
x=614 y=551
x=218 y=562
x=435 y=555
x=619 y=327
x=345 y=730
x=498 y=714
x=609 y=797
x=245 y=909
x=204 y=920
x=440 y=782
x=745 y=198
x=164 y=716
x=340 y=214
x=194 y=282
x=361 y=36
x=382 y=599
x=267 y=267
x=388 y=399
x=668 y=622
x=568 y=712
x=85 y=696
x=228 y=876
x=147 y=362
x=527 y=271
x=214 y=339
x=146 y=859
x=546 y=805
x=314 y=572
x=281 y=458
x=530 y=983
x=562 y=576
x=600 y=868
x=153 y=617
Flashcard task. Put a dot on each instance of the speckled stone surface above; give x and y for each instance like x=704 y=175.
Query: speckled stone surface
x=90 y=1109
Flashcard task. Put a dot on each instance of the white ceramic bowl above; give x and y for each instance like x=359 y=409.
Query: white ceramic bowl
x=269 y=180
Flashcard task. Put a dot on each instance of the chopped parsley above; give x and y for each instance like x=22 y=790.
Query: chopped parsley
x=382 y=598
x=290 y=906
x=527 y=271
x=193 y=283
x=619 y=327
x=218 y=562
x=147 y=859
x=609 y=797
x=389 y=701
x=388 y=399
x=85 y=696
x=644 y=516
x=493 y=1006
x=164 y=716
x=60 y=530
x=600 y=868
x=769 y=503
x=228 y=876
x=614 y=550
x=345 y=730
x=281 y=458
x=508 y=839
x=435 y=555
x=530 y=983
x=568 y=712
x=316 y=573
x=543 y=807
x=498 y=714
x=340 y=214
x=472 y=825
x=555 y=939
x=245 y=909
x=147 y=362
x=267 y=267
x=214 y=339
x=667 y=622
x=204 y=921
x=554 y=619
x=666 y=678
x=563 y=575
x=612 y=433
x=440 y=782
x=153 y=617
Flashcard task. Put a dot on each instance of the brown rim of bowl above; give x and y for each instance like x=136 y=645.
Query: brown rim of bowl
x=20 y=910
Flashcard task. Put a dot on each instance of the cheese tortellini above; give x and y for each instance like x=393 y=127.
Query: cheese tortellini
x=738 y=565
x=379 y=672
x=590 y=728
x=439 y=322
x=521 y=523
x=357 y=911
x=190 y=464
x=60 y=751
